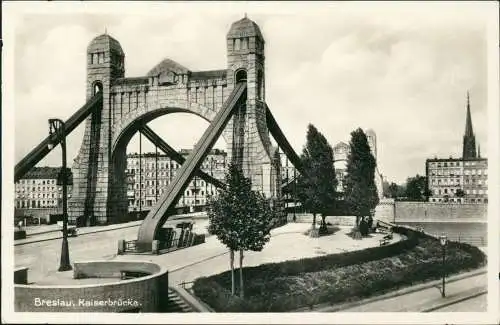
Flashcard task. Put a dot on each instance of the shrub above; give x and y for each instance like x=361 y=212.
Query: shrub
x=335 y=278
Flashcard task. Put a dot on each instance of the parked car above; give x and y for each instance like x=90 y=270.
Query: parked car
x=72 y=229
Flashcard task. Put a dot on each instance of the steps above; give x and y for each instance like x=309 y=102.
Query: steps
x=176 y=304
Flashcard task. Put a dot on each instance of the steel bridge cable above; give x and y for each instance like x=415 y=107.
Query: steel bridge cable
x=159 y=213
x=177 y=157
x=41 y=150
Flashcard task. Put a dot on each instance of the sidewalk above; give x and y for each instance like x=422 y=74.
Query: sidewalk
x=57 y=234
x=51 y=232
x=424 y=297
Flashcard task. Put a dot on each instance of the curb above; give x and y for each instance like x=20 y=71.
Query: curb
x=81 y=234
x=455 y=301
x=41 y=232
x=401 y=292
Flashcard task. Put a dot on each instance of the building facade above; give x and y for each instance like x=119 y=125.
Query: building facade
x=40 y=188
x=39 y=193
x=149 y=174
x=340 y=155
x=458 y=180
x=463 y=180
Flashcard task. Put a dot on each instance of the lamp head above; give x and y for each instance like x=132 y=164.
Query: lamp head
x=443 y=239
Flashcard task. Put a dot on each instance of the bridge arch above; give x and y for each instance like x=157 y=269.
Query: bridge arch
x=118 y=161
x=132 y=125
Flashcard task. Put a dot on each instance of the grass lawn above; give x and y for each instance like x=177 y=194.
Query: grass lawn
x=336 y=278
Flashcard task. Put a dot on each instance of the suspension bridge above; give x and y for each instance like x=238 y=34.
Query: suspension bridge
x=232 y=100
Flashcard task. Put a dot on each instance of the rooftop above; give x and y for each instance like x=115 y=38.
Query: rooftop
x=46 y=173
x=435 y=159
x=105 y=42
x=210 y=74
x=244 y=28
x=168 y=65
x=183 y=152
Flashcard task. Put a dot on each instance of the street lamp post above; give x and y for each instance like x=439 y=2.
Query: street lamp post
x=56 y=126
x=443 y=240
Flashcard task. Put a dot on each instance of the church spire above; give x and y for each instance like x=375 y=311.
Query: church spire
x=468 y=121
x=469 y=144
x=478 y=151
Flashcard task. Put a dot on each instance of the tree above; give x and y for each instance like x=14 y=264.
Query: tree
x=459 y=193
x=317 y=189
x=385 y=188
x=394 y=190
x=240 y=218
x=416 y=188
x=359 y=185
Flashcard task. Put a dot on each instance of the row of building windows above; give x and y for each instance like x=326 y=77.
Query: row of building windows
x=466 y=191
x=460 y=200
x=456 y=182
x=39 y=189
x=458 y=172
x=37 y=181
x=35 y=195
x=455 y=163
x=198 y=183
x=192 y=192
x=172 y=165
x=133 y=204
x=36 y=203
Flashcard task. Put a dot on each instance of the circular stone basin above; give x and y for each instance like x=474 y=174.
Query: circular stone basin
x=98 y=286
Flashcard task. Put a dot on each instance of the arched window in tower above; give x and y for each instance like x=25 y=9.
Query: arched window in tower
x=97 y=87
x=237 y=44
x=241 y=76
x=244 y=45
x=94 y=58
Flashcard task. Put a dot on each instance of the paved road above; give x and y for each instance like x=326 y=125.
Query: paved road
x=42 y=258
x=477 y=304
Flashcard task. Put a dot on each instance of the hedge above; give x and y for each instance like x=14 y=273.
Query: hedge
x=336 y=278
x=312 y=264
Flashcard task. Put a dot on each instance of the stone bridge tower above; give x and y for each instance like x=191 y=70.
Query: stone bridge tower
x=252 y=147
x=91 y=172
x=99 y=180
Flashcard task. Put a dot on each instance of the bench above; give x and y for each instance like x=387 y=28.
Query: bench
x=384 y=241
x=388 y=236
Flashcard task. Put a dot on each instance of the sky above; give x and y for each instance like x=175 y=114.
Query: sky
x=401 y=70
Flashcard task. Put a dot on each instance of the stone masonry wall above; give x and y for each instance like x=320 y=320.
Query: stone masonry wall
x=145 y=294
x=401 y=211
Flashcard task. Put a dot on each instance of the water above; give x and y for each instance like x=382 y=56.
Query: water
x=474 y=233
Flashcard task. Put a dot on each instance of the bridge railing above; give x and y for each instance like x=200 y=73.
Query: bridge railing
x=130 y=245
x=186 y=285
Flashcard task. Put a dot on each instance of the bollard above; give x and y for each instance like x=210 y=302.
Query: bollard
x=155 y=247
x=121 y=246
